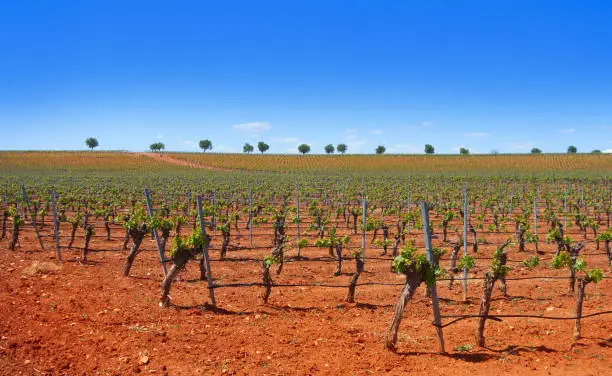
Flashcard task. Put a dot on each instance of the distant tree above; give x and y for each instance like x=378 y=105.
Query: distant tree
x=329 y=149
x=429 y=149
x=536 y=151
x=205 y=145
x=464 y=151
x=596 y=151
x=91 y=143
x=304 y=148
x=572 y=150
x=341 y=148
x=262 y=146
x=494 y=151
x=380 y=149
x=158 y=146
x=247 y=148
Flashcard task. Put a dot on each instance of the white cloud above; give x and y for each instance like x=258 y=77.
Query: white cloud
x=350 y=130
x=377 y=131
x=254 y=127
x=567 y=131
x=285 y=140
x=190 y=143
x=607 y=151
x=477 y=134
x=426 y=123
x=159 y=136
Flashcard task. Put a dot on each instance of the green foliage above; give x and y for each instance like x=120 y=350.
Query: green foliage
x=12 y=212
x=498 y=269
x=580 y=264
x=157 y=146
x=536 y=151
x=341 y=148
x=572 y=149
x=429 y=149
x=531 y=262
x=179 y=245
x=605 y=236
x=205 y=145
x=304 y=148
x=595 y=275
x=531 y=237
x=466 y=262
x=91 y=142
x=380 y=149
x=464 y=151
x=303 y=243
x=262 y=147
x=464 y=348
x=197 y=240
x=248 y=148
x=269 y=260
x=382 y=242
x=329 y=149
x=160 y=223
x=409 y=261
x=137 y=219
x=561 y=260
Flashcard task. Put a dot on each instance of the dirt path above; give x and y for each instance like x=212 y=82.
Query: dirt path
x=179 y=162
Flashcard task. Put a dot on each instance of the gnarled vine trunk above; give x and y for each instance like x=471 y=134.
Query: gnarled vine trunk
x=413 y=280
x=180 y=260
x=137 y=237
x=338 y=270
x=350 y=296
x=485 y=305
x=267 y=281
x=14 y=236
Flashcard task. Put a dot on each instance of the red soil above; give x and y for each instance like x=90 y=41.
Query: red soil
x=88 y=319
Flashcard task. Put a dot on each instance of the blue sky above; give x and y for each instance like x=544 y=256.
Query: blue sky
x=502 y=75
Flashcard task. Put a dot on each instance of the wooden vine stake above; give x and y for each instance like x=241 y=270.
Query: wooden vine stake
x=211 y=288
x=32 y=216
x=432 y=289
x=147 y=193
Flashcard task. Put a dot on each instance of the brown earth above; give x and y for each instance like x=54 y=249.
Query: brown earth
x=66 y=318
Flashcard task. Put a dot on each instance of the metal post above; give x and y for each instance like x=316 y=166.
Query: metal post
x=211 y=289
x=432 y=288
x=56 y=227
x=147 y=193
x=465 y=242
x=32 y=217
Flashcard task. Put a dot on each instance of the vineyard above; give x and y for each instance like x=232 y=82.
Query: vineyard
x=121 y=263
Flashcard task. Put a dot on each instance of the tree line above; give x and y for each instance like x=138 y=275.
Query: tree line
x=207 y=145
